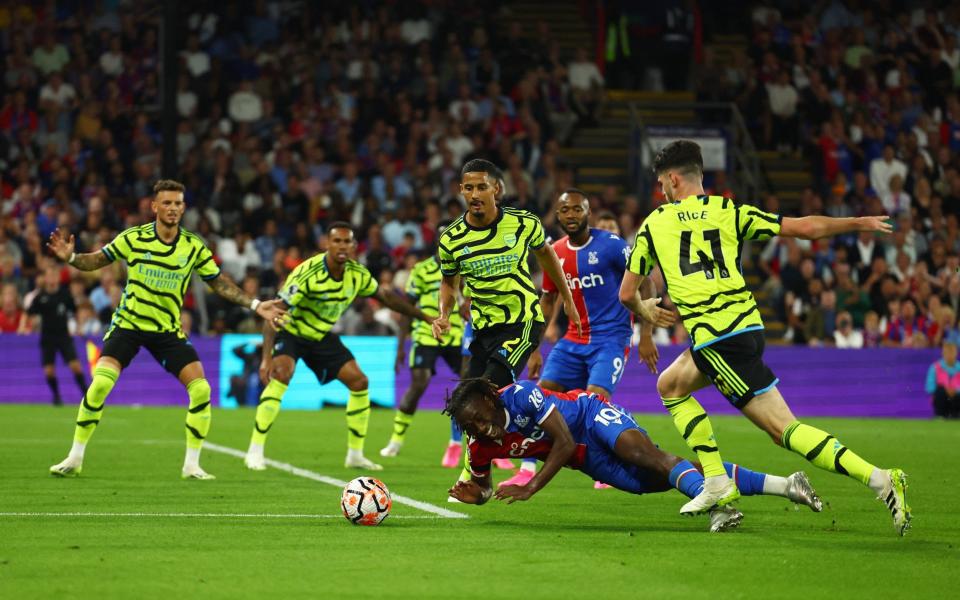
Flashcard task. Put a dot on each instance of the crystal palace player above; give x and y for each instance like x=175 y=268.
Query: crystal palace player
x=584 y=431
x=160 y=256
x=594 y=357
x=697 y=240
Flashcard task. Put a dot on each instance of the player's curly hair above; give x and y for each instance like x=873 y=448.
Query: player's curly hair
x=681 y=155
x=466 y=392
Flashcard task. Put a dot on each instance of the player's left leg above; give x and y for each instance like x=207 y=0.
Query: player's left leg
x=358 y=415
x=198 y=418
x=770 y=413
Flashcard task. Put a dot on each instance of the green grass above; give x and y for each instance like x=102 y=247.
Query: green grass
x=569 y=541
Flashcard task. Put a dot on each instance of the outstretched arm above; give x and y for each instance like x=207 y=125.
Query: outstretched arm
x=560 y=453
x=551 y=266
x=402 y=306
x=63 y=248
x=646 y=309
x=270 y=310
x=815 y=227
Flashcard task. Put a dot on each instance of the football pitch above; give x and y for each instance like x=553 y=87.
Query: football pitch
x=128 y=527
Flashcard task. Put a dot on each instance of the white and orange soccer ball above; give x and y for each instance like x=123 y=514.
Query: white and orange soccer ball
x=366 y=501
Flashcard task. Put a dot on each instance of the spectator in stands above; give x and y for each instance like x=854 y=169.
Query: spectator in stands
x=783 y=99
x=845 y=335
x=884 y=168
x=908 y=329
x=586 y=87
x=872 y=333
x=943 y=381
x=11 y=311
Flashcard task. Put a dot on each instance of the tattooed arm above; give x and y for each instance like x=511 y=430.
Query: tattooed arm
x=270 y=310
x=63 y=248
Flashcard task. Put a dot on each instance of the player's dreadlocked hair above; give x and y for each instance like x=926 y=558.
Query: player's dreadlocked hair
x=469 y=390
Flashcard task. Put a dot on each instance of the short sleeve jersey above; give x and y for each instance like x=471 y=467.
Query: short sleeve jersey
x=423 y=287
x=593 y=273
x=526 y=406
x=492 y=261
x=158 y=275
x=698 y=242
x=316 y=300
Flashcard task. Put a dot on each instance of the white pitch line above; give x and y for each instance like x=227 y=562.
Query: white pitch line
x=306 y=474
x=193 y=515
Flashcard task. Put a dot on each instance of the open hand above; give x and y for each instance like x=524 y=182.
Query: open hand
x=468 y=492
x=649 y=354
x=651 y=313
x=875 y=223
x=512 y=493
x=274 y=312
x=61 y=246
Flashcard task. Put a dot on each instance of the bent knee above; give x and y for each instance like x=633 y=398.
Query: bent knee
x=358 y=384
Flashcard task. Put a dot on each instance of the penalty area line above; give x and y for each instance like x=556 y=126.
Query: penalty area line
x=191 y=515
x=307 y=474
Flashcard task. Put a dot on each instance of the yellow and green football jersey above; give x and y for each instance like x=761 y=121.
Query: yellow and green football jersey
x=698 y=243
x=316 y=300
x=424 y=286
x=492 y=261
x=158 y=274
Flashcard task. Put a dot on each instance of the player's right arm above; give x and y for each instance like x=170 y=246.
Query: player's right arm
x=647 y=350
x=63 y=248
x=449 y=286
x=815 y=227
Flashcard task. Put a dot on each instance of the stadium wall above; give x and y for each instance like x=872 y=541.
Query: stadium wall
x=882 y=382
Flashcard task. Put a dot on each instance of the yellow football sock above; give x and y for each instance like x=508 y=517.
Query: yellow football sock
x=694 y=425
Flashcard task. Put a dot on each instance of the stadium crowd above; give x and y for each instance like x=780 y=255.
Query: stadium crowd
x=292 y=117
x=869 y=97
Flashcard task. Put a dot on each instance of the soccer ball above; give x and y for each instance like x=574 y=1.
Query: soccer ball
x=365 y=501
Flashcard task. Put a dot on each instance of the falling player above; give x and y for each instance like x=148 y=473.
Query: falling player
x=697 y=240
x=317 y=292
x=160 y=258
x=594 y=357
x=585 y=432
